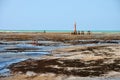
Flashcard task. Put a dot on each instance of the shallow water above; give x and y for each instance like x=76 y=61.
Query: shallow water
x=16 y=51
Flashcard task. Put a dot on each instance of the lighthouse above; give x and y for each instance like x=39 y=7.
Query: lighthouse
x=75 y=31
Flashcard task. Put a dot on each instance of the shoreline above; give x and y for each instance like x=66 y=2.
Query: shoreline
x=71 y=61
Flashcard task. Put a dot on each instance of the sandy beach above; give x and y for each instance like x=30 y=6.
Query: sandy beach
x=71 y=57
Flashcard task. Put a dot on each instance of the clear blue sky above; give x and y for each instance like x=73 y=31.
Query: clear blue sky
x=59 y=14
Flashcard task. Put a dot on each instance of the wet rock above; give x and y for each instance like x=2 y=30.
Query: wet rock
x=76 y=42
x=20 y=49
x=109 y=41
x=84 y=42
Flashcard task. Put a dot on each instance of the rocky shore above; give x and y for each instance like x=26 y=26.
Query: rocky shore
x=95 y=62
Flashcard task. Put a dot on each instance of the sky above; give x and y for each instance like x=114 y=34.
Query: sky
x=59 y=14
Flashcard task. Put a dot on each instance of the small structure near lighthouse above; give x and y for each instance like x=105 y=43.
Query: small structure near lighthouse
x=75 y=32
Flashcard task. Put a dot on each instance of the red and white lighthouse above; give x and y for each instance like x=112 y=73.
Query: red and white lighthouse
x=75 y=31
